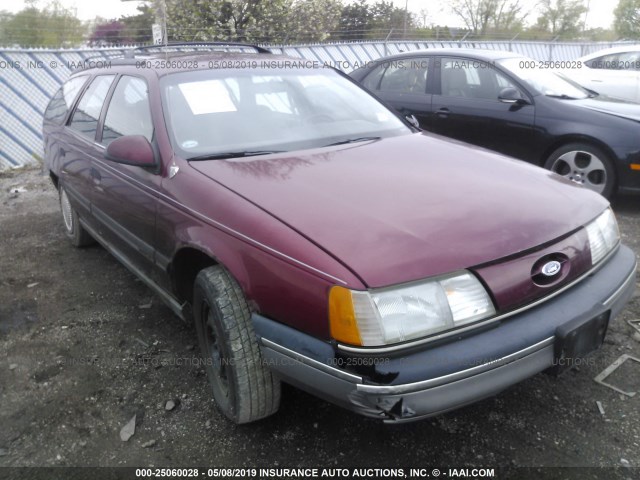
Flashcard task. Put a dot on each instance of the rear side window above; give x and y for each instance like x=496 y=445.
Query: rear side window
x=128 y=112
x=86 y=116
x=406 y=76
x=372 y=81
x=616 y=61
x=62 y=101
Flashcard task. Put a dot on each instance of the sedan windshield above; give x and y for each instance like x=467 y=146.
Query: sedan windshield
x=544 y=81
x=233 y=113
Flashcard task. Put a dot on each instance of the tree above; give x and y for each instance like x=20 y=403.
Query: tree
x=627 y=19
x=599 y=35
x=360 y=20
x=355 y=20
x=252 y=20
x=561 y=17
x=272 y=24
x=482 y=16
x=138 y=27
x=424 y=16
x=53 y=26
x=313 y=20
x=110 y=32
x=508 y=16
x=5 y=18
x=135 y=29
x=240 y=15
x=194 y=20
x=387 y=17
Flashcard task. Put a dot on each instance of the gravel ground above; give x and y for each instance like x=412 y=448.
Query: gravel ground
x=85 y=346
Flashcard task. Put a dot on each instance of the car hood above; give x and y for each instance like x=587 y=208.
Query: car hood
x=610 y=105
x=410 y=207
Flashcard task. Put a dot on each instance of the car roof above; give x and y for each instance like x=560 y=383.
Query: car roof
x=607 y=51
x=475 y=53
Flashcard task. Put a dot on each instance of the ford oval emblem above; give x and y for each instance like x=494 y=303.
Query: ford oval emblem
x=549 y=269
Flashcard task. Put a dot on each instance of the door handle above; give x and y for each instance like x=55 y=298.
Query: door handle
x=443 y=112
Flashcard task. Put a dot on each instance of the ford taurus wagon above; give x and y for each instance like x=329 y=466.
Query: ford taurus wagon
x=316 y=238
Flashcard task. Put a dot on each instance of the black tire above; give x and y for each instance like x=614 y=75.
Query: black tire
x=244 y=389
x=586 y=165
x=70 y=221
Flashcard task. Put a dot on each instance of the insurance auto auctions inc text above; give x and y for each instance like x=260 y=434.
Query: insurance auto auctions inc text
x=373 y=473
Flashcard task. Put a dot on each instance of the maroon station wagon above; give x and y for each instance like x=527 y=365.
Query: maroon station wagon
x=316 y=238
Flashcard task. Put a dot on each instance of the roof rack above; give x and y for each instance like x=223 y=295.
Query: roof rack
x=196 y=46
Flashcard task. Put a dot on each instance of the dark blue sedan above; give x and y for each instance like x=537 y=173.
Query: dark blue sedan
x=517 y=106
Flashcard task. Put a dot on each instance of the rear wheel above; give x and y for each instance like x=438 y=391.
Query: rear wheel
x=584 y=164
x=75 y=232
x=244 y=389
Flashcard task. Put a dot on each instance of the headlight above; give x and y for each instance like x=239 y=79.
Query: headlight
x=391 y=315
x=603 y=235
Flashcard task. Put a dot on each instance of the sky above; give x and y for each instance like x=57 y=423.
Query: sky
x=600 y=11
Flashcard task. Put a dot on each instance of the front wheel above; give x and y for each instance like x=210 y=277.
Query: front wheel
x=244 y=389
x=586 y=165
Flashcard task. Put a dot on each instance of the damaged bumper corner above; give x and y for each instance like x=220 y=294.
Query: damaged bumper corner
x=408 y=402
x=419 y=384
x=431 y=397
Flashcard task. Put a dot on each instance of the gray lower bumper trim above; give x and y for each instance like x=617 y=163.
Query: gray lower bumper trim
x=461 y=375
x=630 y=279
x=437 y=400
x=412 y=401
x=291 y=355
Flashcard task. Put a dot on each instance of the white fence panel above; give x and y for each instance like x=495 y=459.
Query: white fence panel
x=28 y=78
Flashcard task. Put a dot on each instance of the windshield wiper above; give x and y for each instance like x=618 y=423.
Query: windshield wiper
x=592 y=93
x=243 y=153
x=352 y=140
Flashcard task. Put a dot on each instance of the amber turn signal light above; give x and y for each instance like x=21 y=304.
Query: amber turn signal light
x=342 y=319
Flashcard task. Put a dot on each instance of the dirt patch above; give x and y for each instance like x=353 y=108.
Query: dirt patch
x=79 y=357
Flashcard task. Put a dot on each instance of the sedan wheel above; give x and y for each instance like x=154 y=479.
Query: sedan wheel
x=585 y=165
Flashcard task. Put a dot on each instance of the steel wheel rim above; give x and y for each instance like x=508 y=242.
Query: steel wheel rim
x=583 y=168
x=215 y=357
x=67 y=212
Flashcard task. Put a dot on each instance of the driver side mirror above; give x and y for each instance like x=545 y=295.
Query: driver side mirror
x=131 y=150
x=511 y=95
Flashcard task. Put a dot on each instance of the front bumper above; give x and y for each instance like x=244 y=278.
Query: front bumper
x=442 y=377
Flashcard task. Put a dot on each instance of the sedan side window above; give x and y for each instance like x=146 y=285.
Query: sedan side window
x=606 y=62
x=472 y=79
x=128 y=112
x=629 y=61
x=86 y=116
x=616 y=61
x=406 y=76
x=372 y=81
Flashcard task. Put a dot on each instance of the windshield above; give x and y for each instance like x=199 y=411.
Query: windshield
x=251 y=112
x=544 y=81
